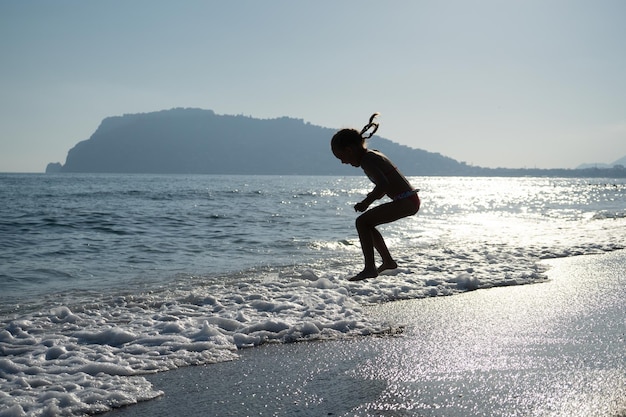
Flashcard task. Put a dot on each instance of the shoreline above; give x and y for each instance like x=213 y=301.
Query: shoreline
x=553 y=348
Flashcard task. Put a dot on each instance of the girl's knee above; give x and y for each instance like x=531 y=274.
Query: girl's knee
x=361 y=222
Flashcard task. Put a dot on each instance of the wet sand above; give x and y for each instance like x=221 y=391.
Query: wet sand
x=551 y=349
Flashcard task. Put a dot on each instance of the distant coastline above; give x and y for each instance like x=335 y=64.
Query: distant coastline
x=196 y=141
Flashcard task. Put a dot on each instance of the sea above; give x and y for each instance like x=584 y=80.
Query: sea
x=107 y=278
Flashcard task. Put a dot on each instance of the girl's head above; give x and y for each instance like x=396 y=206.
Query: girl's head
x=348 y=145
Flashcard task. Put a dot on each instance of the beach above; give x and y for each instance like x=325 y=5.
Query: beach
x=549 y=349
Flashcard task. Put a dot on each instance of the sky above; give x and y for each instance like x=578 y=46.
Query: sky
x=506 y=83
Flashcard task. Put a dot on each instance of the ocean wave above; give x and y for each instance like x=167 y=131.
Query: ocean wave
x=609 y=214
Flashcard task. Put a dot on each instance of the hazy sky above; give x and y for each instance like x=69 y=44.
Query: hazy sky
x=528 y=83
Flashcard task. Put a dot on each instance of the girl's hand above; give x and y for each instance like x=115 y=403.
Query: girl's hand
x=361 y=207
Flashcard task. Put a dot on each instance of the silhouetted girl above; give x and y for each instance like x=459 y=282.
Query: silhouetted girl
x=348 y=145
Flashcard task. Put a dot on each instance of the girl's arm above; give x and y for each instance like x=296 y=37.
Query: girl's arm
x=380 y=189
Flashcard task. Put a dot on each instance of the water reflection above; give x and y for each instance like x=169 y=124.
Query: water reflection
x=552 y=349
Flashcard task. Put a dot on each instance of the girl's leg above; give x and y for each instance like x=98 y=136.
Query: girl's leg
x=381 y=248
x=370 y=237
x=366 y=236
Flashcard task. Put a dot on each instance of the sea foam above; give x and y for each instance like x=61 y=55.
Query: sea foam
x=90 y=357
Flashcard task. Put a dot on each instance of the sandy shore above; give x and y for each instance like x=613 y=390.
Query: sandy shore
x=551 y=349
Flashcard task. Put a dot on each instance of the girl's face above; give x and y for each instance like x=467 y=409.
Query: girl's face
x=347 y=156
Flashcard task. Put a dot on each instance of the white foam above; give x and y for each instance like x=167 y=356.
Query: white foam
x=90 y=357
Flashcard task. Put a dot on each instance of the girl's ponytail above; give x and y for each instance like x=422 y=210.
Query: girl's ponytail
x=352 y=137
x=371 y=125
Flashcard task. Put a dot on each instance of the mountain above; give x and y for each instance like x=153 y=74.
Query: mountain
x=197 y=141
x=200 y=141
x=593 y=165
x=621 y=161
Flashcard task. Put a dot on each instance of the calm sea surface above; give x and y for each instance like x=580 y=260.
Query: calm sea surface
x=108 y=277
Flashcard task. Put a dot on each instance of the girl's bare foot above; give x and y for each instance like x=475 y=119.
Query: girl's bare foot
x=364 y=274
x=387 y=265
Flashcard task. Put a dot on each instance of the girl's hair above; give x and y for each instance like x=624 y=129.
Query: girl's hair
x=346 y=138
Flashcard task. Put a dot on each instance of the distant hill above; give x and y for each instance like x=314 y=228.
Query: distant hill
x=199 y=141
x=621 y=161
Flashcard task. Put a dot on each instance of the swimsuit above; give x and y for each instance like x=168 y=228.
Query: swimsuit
x=412 y=195
x=405 y=195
